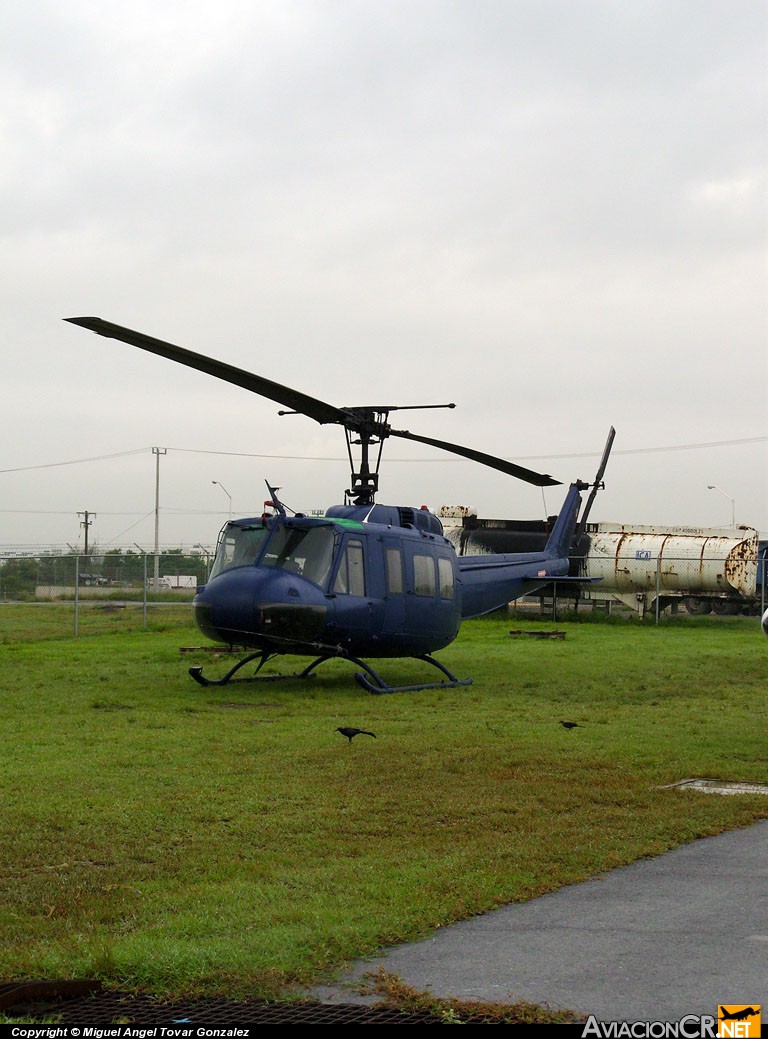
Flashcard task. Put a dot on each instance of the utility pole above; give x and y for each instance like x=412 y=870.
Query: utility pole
x=157 y=451
x=86 y=521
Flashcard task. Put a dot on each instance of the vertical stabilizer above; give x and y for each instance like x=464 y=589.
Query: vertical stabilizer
x=560 y=541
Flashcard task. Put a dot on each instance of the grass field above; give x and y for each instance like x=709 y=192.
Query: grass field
x=228 y=841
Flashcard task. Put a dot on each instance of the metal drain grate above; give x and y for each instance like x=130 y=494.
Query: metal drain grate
x=83 y=1003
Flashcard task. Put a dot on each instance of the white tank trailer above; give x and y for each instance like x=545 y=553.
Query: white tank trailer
x=705 y=569
x=720 y=570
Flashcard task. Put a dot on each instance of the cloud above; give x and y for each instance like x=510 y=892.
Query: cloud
x=552 y=213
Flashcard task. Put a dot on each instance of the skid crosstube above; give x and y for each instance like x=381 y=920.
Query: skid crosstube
x=368 y=679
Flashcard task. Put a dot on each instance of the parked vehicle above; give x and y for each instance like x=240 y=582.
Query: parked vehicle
x=718 y=570
x=708 y=570
x=177 y=581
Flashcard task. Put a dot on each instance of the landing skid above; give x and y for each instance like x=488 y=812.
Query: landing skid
x=369 y=680
x=262 y=657
x=379 y=686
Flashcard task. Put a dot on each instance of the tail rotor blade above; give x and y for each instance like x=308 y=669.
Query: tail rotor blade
x=597 y=485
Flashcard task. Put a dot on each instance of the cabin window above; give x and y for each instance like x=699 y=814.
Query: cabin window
x=306 y=551
x=424 y=575
x=445 y=574
x=238 y=546
x=350 y=578
x=394 y=571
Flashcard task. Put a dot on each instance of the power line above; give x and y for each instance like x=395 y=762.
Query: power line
x=420 y=461
x=522 y=458
x=166 y=510
x=124 y=532
x=68 y=512
x=75 y=461
x=669 y=447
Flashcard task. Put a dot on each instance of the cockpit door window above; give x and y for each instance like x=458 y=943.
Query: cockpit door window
x=350 y=577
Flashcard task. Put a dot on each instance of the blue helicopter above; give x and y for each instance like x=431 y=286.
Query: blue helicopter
x=365 y=580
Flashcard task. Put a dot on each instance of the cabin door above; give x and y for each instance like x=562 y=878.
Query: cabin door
x=394 y=588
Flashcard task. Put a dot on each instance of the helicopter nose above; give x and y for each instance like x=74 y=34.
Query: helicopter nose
x=251 y=605
x=223 y=609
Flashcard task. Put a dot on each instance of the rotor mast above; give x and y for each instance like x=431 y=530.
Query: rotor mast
x=372 y=428
x=365 y=483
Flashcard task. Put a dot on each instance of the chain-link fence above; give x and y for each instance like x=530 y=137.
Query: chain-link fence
x=74 y=594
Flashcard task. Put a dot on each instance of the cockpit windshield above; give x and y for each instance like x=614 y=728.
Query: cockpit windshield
x=307 y=551
x=238 y=546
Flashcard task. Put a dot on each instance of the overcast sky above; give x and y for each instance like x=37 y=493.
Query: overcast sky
x=552 y=212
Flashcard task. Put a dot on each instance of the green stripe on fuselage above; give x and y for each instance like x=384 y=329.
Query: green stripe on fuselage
x=347 y=524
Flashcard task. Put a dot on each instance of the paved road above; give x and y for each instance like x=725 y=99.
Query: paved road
x=653 y=941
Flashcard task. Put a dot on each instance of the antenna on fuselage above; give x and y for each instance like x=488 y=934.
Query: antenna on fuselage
x=274 y=501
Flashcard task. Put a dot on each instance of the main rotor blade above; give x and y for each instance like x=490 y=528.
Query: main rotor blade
x=293 y=399
x=518 y=471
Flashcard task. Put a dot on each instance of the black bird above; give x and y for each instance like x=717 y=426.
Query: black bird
x=571 y=725
x=345 y=730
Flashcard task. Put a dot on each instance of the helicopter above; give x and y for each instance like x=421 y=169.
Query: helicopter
x=365 y=580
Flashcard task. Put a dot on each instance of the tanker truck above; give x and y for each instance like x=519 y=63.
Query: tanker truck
x=719 y=570
x=706 y=569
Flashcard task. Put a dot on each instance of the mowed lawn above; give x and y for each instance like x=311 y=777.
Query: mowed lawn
x=228 y=840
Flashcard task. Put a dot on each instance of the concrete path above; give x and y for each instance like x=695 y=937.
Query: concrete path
x=654 y=941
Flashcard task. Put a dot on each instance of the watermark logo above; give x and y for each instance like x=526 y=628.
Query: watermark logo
x=738 y=1021
x=734 y=1021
